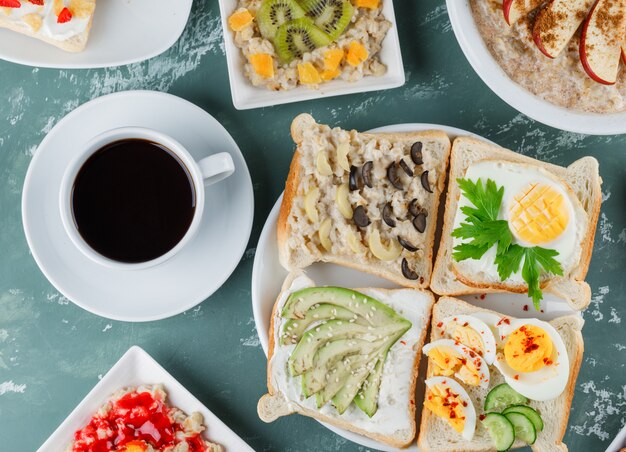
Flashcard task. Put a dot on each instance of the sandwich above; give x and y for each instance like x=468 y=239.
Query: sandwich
x=516 y=224
x=495 y=382
x=347 y=357
x=364 y=200
x=63 y=23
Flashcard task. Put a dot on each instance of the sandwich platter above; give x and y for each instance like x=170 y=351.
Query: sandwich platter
x=268 y=276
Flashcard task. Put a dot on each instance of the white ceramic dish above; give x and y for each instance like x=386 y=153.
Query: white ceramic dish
x=246 y=96
x=123 y=32
x=181 y=282
x=268 y=276
x=136 y=368
x=489 y=70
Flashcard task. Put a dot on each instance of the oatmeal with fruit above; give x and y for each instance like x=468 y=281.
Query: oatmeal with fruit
x=568 y=52
x=287 y=43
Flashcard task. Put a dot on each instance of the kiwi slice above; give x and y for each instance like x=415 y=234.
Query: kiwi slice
x=331 y=16
x=273 y=13
x=297 y=37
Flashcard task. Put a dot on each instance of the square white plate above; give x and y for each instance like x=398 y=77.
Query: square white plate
x=246 y=96
x=123 y=32
x=135 y=368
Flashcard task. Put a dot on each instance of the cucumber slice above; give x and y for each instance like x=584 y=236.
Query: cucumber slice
x=503 y=396
x=527 y=411
x=524 y=429
x=500 y=430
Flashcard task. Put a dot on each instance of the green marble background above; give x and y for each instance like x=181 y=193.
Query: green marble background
x=52 y=352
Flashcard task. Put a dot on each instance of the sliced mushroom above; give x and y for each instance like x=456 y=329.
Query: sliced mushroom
x=407 y=245
x=360 y=217
x=342 y=155
x=393 y=176
x=407 y=272
x=388 y=215
x=354 y=242
x=356 y=178
x=343 y=203
x=416 y=153
x=419 y=222
x=324 y=234
x=405 y=167
x=426 y=182
x=366 y=173
x=323 y=167
x=310 y=205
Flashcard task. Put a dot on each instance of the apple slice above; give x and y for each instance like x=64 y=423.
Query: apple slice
x=514 y=10
x=601 y=40
x=556 y=24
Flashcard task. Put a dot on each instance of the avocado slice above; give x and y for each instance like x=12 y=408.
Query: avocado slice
x=367 y=397
x=327 y=357
x=302 y=357
x=345 y=396
x=372 y=311
x=294 y=328
x=339 y=376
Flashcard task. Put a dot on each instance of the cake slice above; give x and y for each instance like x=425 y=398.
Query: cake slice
x=347 y=357
x=63 y=23
x=364 y=200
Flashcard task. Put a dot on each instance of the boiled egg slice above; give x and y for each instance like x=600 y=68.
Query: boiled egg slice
x=448 y=400
x=493 y=321
x=534 y=359
x=450 y=357
x=472 y=332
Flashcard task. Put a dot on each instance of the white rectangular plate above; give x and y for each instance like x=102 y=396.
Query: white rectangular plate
x=136 y=368
x=246 y=96
x=123 y=32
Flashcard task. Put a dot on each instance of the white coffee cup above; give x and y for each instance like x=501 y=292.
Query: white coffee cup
x=205 y=172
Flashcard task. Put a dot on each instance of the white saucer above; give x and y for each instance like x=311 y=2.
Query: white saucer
x=123 y=32
x=178 y=284
x=268 y=276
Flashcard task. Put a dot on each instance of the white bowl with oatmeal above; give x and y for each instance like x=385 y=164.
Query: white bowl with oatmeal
x=275 y=79
x=554 y=92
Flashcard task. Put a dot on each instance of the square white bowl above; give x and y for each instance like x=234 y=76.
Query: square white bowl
x=136 y=368
x=246 y=96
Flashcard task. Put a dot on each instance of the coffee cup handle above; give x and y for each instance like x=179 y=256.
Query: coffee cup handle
x=216 y=167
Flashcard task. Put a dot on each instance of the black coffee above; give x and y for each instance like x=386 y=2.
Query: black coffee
x=133 y=201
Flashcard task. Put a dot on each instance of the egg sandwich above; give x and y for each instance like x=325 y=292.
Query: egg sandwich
x=63 y=23
x=347 y=357
x=364 y=200
x=516 y=224
x=496 y=382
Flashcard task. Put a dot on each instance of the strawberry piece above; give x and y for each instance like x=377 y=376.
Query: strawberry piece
x=10 y=3
x=64 y=16
x=36 y=2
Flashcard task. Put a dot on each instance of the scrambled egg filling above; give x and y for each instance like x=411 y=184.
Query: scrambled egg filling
x=447 y=405
x=450 y=362
x=528 y=349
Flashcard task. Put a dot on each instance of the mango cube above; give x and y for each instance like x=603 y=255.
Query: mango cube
x=240 y=19
x=332 y=59
x=263 y=64
x=308 y=75
x=356 y=54
x=371 y=4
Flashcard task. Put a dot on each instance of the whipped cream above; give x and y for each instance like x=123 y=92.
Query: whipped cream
x=393 y=413
x=50 y=28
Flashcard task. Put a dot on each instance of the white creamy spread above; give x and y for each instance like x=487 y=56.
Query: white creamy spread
x=393 y=413
x=50 y=27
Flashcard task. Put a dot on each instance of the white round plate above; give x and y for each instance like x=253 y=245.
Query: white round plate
x=489 y=70
x=123 y=32
x=174 y=286
x=268 y=276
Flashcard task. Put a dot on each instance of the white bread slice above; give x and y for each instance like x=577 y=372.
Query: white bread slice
x=581 y=176
x=74 y=44
x=437 y=436
x=276 y=403
x=298 y=238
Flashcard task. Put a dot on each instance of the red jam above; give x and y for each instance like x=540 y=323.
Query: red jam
x=136 y=418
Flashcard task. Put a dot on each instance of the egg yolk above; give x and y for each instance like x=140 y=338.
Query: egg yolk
x=449 y=362
x=538 y=214
x=528 y=348
x=444 y=403
x=466 y=336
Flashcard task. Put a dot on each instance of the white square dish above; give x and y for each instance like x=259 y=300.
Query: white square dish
x=135 y=368
x=246 y=96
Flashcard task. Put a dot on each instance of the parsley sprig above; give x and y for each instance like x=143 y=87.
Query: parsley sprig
x=483 y=229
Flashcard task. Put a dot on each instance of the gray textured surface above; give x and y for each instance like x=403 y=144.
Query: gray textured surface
x=52 y=352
